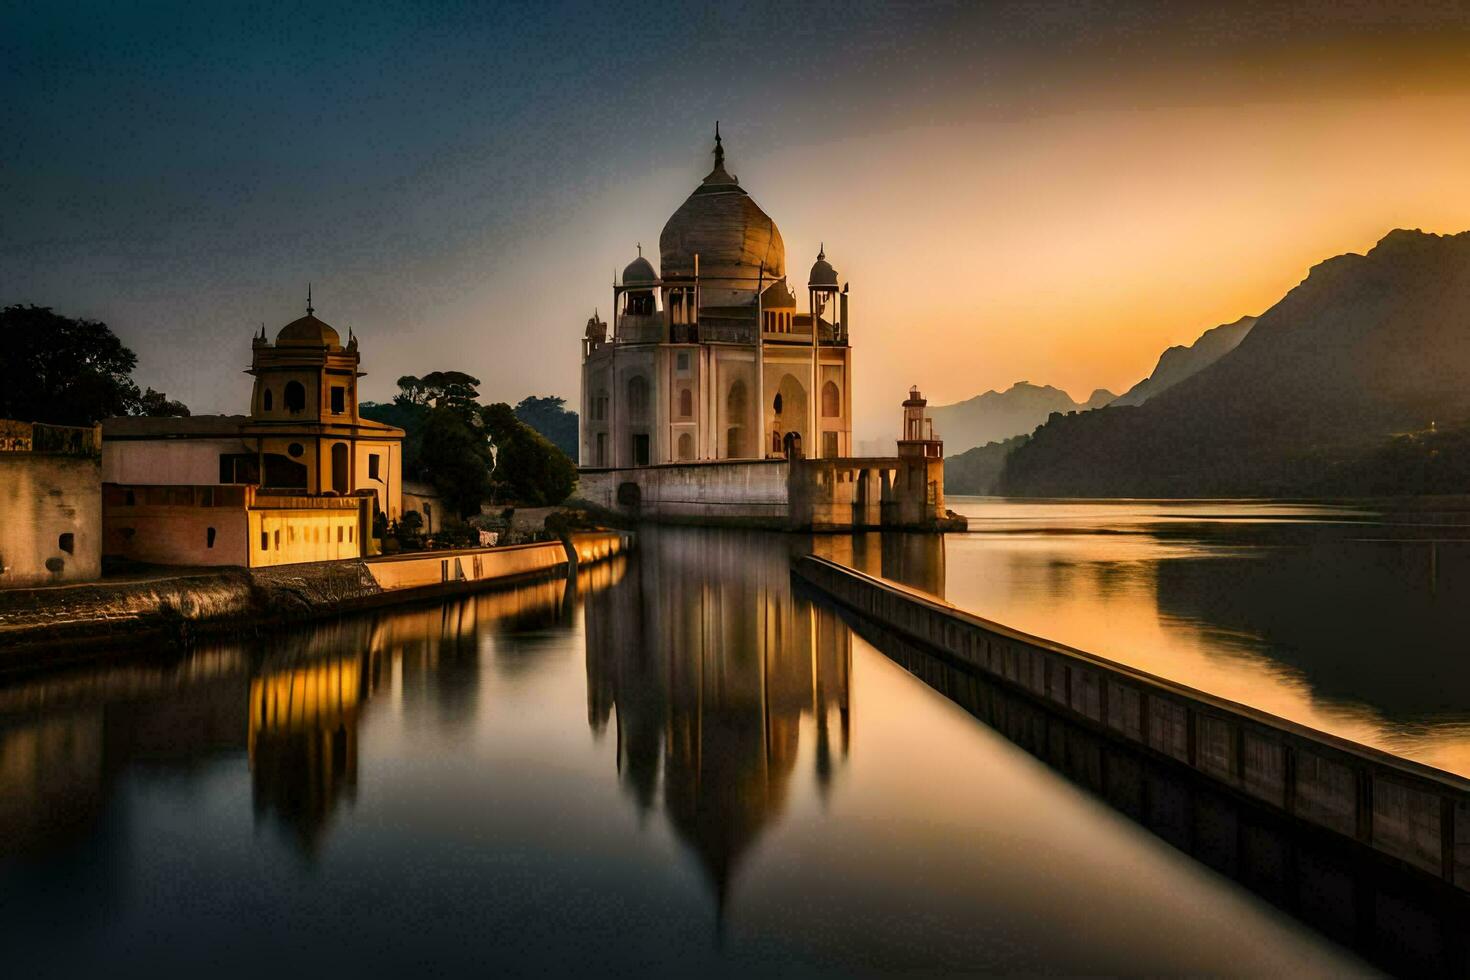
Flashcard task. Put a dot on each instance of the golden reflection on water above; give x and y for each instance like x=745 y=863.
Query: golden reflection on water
x=294 y=710
x=558 y=752
x=1311 y=613
x=707 y=669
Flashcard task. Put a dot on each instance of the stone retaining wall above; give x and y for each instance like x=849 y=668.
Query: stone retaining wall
x=55 y=622
x=725 y=493
x=1411 y=813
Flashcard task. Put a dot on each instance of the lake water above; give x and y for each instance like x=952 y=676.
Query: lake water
x=1353 y=620
x=679 y=765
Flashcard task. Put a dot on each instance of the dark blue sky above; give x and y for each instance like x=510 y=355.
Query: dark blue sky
x=459 y=181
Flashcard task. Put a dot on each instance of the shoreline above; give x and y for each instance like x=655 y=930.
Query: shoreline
x=56 y=625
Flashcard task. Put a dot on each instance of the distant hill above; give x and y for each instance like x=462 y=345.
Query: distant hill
x=1178 y=363
x=997 y=415
x=977 y=471
x=1366 y=348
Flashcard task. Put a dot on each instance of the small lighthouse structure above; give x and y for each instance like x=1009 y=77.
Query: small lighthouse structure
x=918 y=437
x=920 y=477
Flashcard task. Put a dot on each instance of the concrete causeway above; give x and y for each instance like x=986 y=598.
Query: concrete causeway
x=1413 y=815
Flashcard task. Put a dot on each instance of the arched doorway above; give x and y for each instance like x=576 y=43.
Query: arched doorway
x=686 y=446
x=791 y=445
x=789 y=409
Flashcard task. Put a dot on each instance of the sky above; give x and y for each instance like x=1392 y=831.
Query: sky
x=1050 y=192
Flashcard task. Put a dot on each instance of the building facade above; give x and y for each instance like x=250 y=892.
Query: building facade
x=298 y=479
x=50 y=504
x=708 y=357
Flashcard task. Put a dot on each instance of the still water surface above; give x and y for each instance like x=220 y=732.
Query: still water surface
x=676 y=766
x=1351 y=619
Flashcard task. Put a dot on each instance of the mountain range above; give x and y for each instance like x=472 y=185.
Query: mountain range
x=1179 y=362
x=1364 y=354
x=978 y=470
x=998 y=415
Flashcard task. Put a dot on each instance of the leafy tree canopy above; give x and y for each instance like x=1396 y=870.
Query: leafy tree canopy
x=69 y=371
x=440 y=389
x=455 y=457
x=528 y=467
x=549 y=416
x=471 y=452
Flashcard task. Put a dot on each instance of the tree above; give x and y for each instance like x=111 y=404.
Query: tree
x=440 y=389
x=69 y=371
x=453 y=442
x=158 y=405
x=548 y=415
x=528 y=468
x=454 y=456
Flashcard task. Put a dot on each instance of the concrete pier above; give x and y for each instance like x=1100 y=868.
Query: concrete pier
x=1410 y=814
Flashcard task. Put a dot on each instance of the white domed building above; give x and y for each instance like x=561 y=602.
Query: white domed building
x=708 y=358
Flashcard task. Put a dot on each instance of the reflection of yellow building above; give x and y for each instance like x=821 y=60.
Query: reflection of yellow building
x=303 y=741
x=304 y=453
x=711 y=670
x=304 y=714
x=64 y=738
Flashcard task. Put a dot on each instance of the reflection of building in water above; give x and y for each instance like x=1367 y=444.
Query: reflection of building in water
x=50 y=779
x=915 y=560
x=708 y=668
x=303 y=741
x=66 y=735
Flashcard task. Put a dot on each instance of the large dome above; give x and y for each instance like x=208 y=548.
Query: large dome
x=729 y=232
x=308 y=331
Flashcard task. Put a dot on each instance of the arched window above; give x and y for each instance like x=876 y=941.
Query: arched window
x=686 y=403
x=831 y=400
x=686 y=446
x=776 y=403
x=295 y=396
x=637 y=398
x=267 y=400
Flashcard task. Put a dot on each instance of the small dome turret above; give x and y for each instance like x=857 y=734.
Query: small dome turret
x=308 y=331
x=822 y=272
x=639 y=271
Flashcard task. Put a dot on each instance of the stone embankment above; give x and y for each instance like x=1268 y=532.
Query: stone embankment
x=56 y=622
x=1409 y=814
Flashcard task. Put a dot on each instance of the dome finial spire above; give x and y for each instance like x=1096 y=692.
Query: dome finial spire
x=309 y=310
x=822 y=251
x=719 y=148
